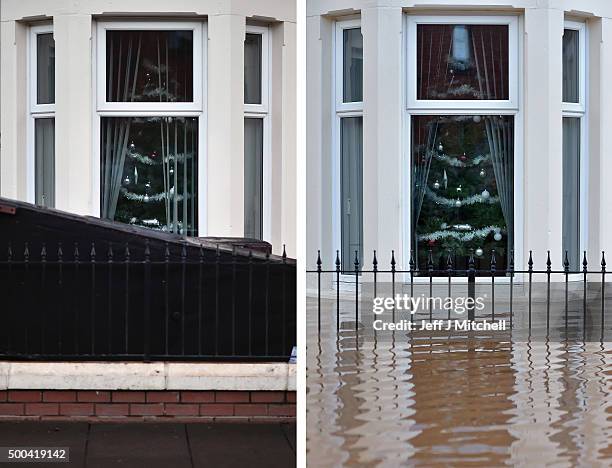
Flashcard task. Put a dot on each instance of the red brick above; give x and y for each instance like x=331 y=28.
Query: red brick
x=149 y=409
x=197 y=397
x=177 y=409
x=290 y=397
x=232 y=397
x=11 y=409
x=128 y=397
x=3 y=395
x=42 y=409
x=281 y=410
x=267 y=397
x=55 y=396
x=109 y=409
x=24 y=395
x=77 y=409
x=162 y=397
x=250 y=409
x=93 y=397
x=217 y=409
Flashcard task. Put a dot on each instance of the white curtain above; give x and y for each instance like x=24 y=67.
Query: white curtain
x=116 y=132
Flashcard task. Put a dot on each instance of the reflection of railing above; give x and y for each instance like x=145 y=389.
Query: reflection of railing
x=74 y=288
x=492 y=276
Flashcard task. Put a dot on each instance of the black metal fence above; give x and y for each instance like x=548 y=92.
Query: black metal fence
x=565 y=281
x=101 y=300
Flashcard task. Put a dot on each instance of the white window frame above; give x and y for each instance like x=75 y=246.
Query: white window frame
x=510 y=107
x=36 y=111
x=197 y=108
x=262 y=111
x=579 y=110
x=341 y=109
x=460 y=105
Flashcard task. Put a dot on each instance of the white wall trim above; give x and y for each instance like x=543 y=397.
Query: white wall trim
x=146 y=376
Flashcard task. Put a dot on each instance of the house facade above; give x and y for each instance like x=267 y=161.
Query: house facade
x=458 y=126
x=179 y=117
x=177 y=120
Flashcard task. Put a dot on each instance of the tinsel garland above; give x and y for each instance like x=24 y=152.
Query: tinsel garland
x=155 y=197
x=462 y=236
x=456 y=162
x=440 y=200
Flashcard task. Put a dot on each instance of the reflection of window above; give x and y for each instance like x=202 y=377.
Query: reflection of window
x=151 y=99
x=42 y=110
x=574 y=109
x=462 y=157
x=349 y=141
x=256 y=134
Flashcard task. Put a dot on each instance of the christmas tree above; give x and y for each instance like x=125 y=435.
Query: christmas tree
x=457 y=204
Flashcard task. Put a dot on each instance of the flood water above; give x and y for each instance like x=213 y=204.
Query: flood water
x=407 y=399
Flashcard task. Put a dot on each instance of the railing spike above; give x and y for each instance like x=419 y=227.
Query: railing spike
x=167 y=252
x=337 y=260
x=284 y=254
x=127 y=252
x=393 y=263
x=530 y=261
x=511 y=262
x=60 y=251
x=26 y=251
x=76 y=253
x=110 y=253
x=92 y=252
x=493 y=261
x=9 y=253
x=356 y=260
x=375 y=262
x=603 y=260
x=319 y=262
x=548 y=262
x=471 y=260
x=411 y=263
x=183 y=252
x=585 y=264
x=43 y=252
x=147 y=250
x=566 y=263
x=430 y=263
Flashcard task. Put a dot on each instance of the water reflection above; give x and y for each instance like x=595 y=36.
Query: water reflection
x=414 y=399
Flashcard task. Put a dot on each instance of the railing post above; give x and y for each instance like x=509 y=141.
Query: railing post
x=147 y=301
x=493 y=270
x=511 y=268
x=585 y=269
x=449 y=269
x=393 y=281
x=530 y=267
x=548 y=270
x=356 y=291
x=430 y=267
x=471 y=287
x=319 y=290
x=337 y=291
x=566 y=269
x=92 y=310
x=603 y=291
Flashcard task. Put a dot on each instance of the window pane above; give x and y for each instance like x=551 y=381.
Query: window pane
x=150 y=172
x=44 y=149
x=253 y=178
x=351 y=190
x=45 y=69
x=571 y=190
x=353 y=65
x=148 y=66
x=570 y=65
x=462 y=62
x=252 y=69
x=462 y=189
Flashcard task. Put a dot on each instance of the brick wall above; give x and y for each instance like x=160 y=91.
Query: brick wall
x=146 y=405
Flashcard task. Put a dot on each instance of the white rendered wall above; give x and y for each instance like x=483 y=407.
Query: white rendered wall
x=538 y=211
x=74 y=27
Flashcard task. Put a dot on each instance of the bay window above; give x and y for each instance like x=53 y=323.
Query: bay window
x=574 y=141
x=150 y=119
x=42 y=115
x=462 y=102
x=349 y=139
x=256 y=133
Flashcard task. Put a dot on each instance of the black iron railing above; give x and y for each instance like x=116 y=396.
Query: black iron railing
x=490 y=278
x=101 y=301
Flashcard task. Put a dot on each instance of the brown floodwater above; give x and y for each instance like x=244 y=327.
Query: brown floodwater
x=415 y=399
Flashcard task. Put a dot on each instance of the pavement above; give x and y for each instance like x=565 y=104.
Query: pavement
x=152 y=445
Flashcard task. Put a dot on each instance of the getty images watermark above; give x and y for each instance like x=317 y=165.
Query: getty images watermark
x=404 y=303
